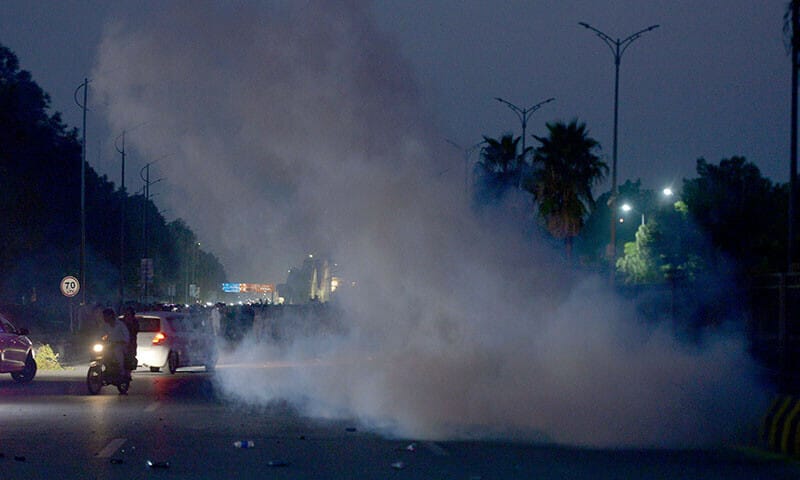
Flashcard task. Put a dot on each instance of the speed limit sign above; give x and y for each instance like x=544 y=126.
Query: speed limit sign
x=70 y=286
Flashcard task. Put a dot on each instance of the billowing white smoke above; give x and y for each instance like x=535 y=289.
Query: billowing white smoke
x=297 y=128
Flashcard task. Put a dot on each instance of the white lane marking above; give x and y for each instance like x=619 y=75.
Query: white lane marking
x=112 y=447
x=435 y=449
x=152 y=407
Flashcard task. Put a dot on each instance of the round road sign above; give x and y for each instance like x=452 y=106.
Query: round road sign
x=70 y=286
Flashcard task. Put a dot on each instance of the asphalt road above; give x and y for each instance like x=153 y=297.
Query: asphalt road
x=52 y=429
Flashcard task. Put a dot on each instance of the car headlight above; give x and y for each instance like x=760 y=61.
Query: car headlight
x=98 y=348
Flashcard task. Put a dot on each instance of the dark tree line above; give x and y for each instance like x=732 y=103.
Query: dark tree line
x=40 y=159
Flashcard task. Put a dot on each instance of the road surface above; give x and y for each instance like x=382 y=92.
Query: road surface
x=52 y=429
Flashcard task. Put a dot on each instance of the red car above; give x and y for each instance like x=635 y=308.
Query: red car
x=16 y=352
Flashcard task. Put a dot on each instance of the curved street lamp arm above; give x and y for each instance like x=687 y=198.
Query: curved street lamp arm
x=519 y=112
x=468 y=150
x=528 y=111
x=639 y=34
x=116 y=144
x=454 y=144
x=598 y=32
x=75 y=95
x=627 y=42
x=610 y=42
x=472 y=148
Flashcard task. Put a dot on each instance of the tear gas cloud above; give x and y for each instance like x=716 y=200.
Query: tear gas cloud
x=296 y=128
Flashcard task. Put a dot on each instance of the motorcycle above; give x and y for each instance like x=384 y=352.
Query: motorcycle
x=102 y=372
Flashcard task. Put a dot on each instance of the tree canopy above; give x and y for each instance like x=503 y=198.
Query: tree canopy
x=565 y=169
x=40 y=165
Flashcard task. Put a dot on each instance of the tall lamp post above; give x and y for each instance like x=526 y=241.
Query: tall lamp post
x=467 y=153
x=85 y=87
x=795 y=42
x=617 y=47
x=524 y=114
x=144 y=173
x=122 y=221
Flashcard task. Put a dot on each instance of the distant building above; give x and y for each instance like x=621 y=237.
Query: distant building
x=310 y=282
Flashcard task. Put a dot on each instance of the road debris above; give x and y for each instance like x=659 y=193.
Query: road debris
x=277 y=463
x=153 y=464
x=244 y=444
x=398 y=465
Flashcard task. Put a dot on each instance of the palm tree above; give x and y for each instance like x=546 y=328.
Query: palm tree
x=500 y=166
x=564 y=171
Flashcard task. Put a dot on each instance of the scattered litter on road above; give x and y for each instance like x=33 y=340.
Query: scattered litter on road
x=153 y=464
x=411 y=447
x=277 y=463
x=117 y=461
x=244 y=444
x=19 y=458
x=398 y=465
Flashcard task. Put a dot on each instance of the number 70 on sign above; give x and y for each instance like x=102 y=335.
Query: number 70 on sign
x=70 y=286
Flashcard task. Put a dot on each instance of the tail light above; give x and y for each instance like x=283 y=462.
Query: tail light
x=159 y=338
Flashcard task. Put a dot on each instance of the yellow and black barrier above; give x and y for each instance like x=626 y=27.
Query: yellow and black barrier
x=780 y=431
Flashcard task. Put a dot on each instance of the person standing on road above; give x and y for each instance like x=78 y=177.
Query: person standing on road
x=129 y=319
x=216 y=317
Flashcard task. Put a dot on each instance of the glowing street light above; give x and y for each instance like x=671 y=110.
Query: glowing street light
x=626 y=207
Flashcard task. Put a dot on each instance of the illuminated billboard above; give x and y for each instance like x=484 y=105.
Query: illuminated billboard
x=248 y=287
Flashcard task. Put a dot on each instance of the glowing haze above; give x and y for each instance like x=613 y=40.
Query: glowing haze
x=297 y=128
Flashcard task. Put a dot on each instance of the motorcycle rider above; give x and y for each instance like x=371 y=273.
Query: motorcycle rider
x=117 y=336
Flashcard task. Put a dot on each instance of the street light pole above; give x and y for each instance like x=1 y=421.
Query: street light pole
x=467 y=154
x=795 y=40
x=122 y=222
x=85 y=87
x=523 y=114
x=617 y=47
x=144 y=173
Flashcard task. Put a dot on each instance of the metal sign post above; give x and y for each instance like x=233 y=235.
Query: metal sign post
x=70 y=286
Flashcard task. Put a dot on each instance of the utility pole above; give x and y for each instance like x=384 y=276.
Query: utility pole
x=147 y=262
x=467 y=154
x=795 y=42
x=617 y=47
x=85 y=87
x=122 y=222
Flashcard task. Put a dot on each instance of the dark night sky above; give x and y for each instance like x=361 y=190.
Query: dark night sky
x=712 y=81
